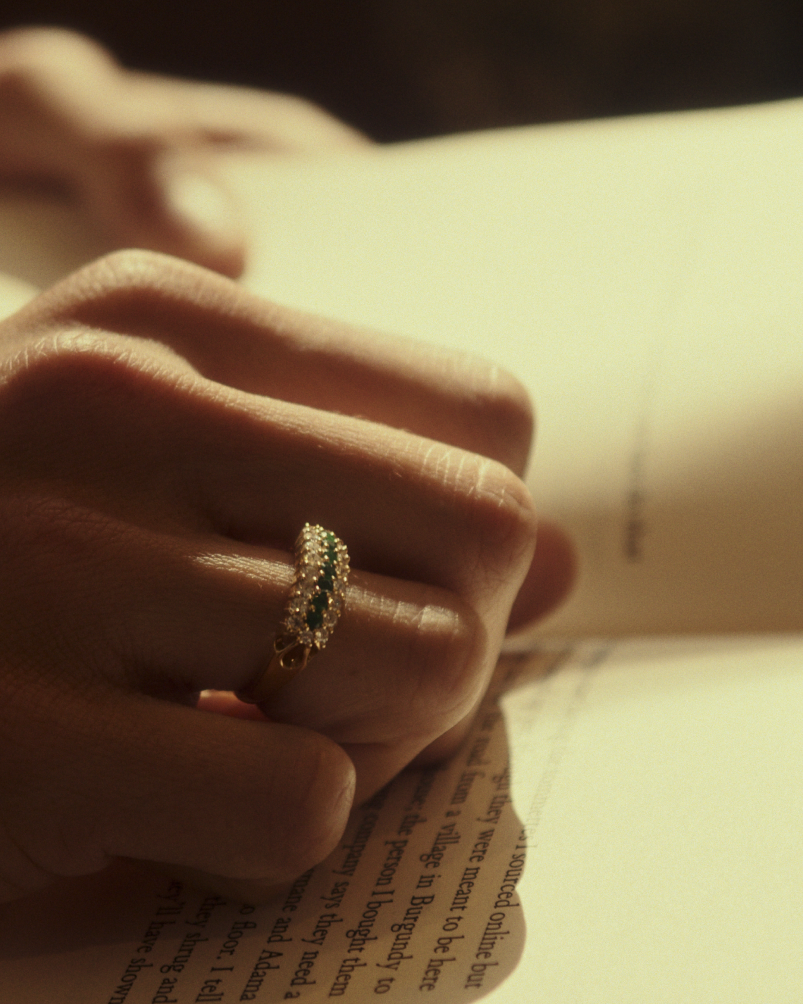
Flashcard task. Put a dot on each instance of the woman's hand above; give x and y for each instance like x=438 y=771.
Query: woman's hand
x=163 y=437
x=138 y=150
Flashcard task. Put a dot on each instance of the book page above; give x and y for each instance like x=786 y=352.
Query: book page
x=641 y=276
x=622 y=825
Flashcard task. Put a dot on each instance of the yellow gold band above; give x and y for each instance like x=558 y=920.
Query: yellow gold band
x=313 y=608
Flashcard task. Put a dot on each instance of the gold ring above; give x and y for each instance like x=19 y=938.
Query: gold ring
x=314 y=604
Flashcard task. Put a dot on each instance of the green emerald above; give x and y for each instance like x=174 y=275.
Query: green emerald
x=326 y=583
x=315 y=610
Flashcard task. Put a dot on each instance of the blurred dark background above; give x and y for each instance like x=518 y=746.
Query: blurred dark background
x=405 y=68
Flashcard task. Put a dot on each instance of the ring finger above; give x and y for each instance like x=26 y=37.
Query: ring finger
x=171 y=616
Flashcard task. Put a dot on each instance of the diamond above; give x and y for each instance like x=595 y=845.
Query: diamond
x=315 y=600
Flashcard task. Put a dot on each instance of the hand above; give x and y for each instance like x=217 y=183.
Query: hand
x=138 y=150
x=163 y=437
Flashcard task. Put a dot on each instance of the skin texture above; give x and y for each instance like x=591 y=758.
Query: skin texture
x=163 y=435
x=138 y=150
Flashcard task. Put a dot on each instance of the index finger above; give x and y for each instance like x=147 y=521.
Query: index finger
x=240 y=340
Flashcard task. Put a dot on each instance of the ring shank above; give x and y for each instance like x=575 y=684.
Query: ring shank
x=275 y=676
x=312 y=610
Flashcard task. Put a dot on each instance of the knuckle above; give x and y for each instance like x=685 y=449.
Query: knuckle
x=444 y=746
x=108 y=292
x=72 y=399
x=64 y=372
x=128 y=277
x=34 y=50
x=138 y=292
x=444 y=659
x=45 y=383
x=38 y=63
x=318 y=805
x=504 y=418
x=36 y=42
x=496 y=510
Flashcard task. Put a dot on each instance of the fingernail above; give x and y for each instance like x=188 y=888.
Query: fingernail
x=199 y=202
x=212 y=231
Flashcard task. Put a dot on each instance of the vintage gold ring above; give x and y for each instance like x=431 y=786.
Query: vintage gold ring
x=314 y=604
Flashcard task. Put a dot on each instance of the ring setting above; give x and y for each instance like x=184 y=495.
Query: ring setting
x=314 y=605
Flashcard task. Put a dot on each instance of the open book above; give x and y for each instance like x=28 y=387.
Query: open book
x=624 y=822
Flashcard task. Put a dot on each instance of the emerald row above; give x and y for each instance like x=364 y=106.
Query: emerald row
x=317 y=595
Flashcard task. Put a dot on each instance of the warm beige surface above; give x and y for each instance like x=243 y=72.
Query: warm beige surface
x=641 y=276
x=13 y=294
x=655 y=808
x=643 y=279
x=662 y=791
